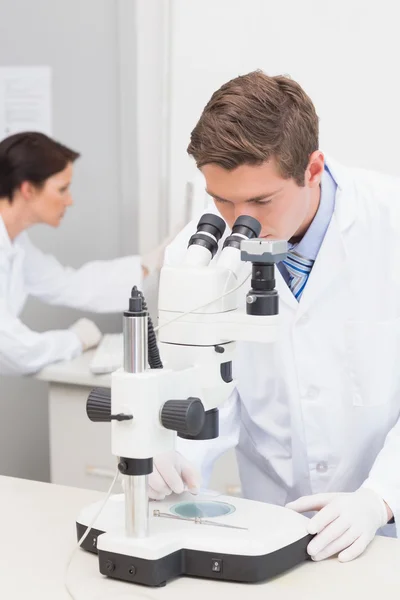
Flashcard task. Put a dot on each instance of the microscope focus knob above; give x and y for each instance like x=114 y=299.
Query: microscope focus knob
x=98 y=405
x=183 y=416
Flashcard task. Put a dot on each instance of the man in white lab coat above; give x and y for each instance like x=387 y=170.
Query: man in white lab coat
x=315 y=417
x=35 y=176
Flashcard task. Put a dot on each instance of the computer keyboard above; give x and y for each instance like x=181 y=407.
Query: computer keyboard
x=109 y=354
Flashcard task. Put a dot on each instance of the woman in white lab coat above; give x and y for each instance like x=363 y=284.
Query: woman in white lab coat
x=35 y=178
x=315 y=417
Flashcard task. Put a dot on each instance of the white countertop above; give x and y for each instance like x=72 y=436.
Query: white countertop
x=74 y=372
x=38 y=533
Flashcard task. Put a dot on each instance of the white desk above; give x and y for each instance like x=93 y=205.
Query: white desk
x=74 y=372
x=80 y=451
x=38 y=533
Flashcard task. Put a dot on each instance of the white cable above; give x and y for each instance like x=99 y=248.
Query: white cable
x=84 y=536
x=189 y=312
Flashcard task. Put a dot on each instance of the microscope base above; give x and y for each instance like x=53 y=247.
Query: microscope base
x=251 y=543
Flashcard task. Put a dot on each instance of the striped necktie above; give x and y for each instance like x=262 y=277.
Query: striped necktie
x=299 y=269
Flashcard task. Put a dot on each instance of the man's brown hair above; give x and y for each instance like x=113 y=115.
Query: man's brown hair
x=254 y=118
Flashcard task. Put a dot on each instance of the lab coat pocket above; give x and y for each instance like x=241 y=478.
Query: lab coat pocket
x=373 y=361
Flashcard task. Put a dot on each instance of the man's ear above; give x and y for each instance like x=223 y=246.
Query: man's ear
x=315 y=169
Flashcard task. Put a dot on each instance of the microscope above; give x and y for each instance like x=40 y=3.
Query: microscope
x=173 y=387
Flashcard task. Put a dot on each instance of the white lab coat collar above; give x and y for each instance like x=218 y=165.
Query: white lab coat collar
x=6 y=244
x=346 y=200
x=331 y=256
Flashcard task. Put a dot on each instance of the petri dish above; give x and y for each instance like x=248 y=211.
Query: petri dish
x=203 y=510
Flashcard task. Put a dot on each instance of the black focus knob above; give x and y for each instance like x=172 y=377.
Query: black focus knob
x=183 y=416
x=98 y=405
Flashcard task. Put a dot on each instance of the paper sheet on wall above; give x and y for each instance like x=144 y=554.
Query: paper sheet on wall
x=25 y=100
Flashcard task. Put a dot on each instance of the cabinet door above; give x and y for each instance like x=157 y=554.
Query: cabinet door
x=80 y=451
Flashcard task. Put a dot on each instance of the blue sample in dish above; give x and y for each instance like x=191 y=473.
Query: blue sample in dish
x=202 y=510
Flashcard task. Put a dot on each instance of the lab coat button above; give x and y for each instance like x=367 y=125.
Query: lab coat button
x=322 y=467
x=304 y=319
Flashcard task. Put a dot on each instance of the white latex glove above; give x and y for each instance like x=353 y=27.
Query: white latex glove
x=88 y=333
x=345 y=524
x=172 y=473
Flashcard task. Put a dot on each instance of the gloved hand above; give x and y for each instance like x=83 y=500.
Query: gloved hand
x=88 y=333
x=345 y=524
x=171 y=473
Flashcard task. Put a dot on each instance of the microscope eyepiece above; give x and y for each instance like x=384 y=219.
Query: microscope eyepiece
x=244 y=228
x=212 y=224
x=247 y=226
x=210 y=229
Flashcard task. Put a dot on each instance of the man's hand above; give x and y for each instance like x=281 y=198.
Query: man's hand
x=345 y=524
x=172 y=473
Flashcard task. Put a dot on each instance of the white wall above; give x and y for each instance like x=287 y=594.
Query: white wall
x=344 y=53
x=152 y=119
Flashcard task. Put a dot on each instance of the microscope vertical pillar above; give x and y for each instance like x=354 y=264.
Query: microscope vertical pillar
x=136 y=506
x=135 y=324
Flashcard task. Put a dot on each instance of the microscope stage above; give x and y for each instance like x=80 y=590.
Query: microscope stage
x=209 y=535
